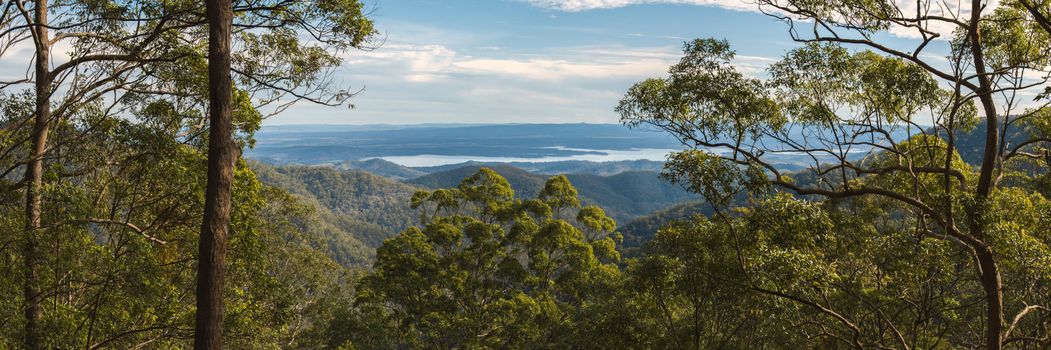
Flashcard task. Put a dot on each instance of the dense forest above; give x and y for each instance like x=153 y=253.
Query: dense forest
x=361 y=209
x=131 y=219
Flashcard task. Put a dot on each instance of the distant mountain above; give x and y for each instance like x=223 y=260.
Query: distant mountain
x=382 y=168
x=524 y=183
x=540 y=148
x=589 y=167
x=357 y=210
x=562 y=167
x=624 y=196
x=362 y=202
x=971 y=144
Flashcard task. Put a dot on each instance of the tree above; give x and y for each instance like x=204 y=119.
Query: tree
x=349 y=29
x=487 y=269
x=222 y=154
x=858 y=115
x=107 y=57
x=681 y=297
x=143 y=59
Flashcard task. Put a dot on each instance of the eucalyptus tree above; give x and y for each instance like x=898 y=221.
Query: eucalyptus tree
x=878 y=123
x=334 y=25
x=211 y=258
x=107 y=46
x=144 y=61
x=488 y=269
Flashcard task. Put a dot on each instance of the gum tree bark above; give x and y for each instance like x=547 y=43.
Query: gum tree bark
x=222 y=155
x=34 y=177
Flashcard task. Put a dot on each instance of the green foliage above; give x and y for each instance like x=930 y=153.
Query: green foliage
x=682 y=294
x=123 y=216
x=704 y=93
x=1010 y=42
x=624 y=196
x=487 y=270
x=879 y=249
x=816 y=81
x=355 y=206
x=709 y=175
x=559 y=194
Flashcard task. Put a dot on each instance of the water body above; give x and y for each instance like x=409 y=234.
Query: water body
x=422 y=146
x=597 y=155
x=594 y=155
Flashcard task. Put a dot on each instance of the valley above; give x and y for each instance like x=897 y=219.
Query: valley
x=360 y=178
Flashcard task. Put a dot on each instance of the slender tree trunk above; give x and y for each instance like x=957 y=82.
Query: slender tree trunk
x=34 y=178
x=222 y=155
x=991 y=283
x=990 y=275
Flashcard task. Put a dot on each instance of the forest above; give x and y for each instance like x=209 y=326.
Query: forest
x=920 y=218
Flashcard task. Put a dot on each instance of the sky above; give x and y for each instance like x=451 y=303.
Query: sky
x=529 y=61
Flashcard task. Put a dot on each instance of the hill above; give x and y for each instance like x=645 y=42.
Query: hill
x=382 y=168
x=357 y=209
x=524 y=183
x=971 y=143
x=642 y=229
x=624 y=196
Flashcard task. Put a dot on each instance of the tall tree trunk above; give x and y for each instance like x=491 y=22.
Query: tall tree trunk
x=222 y=155
x=34 y=178
x=990 y=275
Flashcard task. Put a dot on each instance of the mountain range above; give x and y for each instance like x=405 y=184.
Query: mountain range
x=362 y=198
x=359 y=209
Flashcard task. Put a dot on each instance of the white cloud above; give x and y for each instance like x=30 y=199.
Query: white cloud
x=909 y=8
x=432 y=63
x=752 y=65
x=442 y=81
x=557 y=69
x=413 y=63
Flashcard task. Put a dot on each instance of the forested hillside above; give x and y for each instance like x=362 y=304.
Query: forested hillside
x=639 y=231
x=360 y=209
x=382 y=168
x=364 y=207
x=624 y=196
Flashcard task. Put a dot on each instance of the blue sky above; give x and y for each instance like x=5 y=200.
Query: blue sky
x=550 y=61
x=529 y=61
x=538 y=61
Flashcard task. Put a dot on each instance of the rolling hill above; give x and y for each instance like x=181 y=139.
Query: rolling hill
x=642 y=229
x=355 y=209
x=624 y=196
